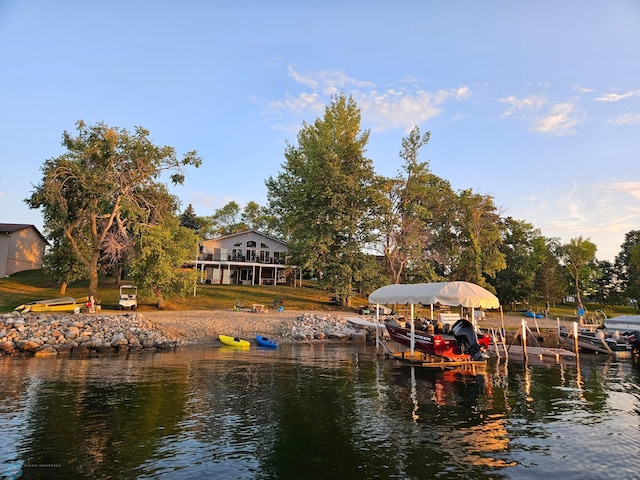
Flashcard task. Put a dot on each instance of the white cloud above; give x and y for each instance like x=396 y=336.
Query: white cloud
x=525 y=104
x=581 y=89
x=616 y=97
x=626 y=119
x=403 y=107
x=399 y=109
x=561 y=119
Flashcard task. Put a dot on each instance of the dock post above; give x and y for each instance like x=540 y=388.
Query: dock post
x=524 y=338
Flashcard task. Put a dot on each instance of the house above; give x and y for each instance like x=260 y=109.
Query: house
x=244 y=258
x=21 y=248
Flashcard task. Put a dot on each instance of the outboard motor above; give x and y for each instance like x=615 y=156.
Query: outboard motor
x=466 y=337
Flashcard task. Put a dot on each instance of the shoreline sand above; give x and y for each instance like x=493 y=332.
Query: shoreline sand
x=202 y=326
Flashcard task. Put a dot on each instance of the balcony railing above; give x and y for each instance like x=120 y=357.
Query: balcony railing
x=210 y=257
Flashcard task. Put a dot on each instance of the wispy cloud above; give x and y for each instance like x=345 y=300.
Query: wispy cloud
x=525 y=104
x=570 y=213
x=616 y=97
x=626 y=119
x=561 y=119
x=401 y=107
x=542 y=115
x=628 y=188
x=581 y=89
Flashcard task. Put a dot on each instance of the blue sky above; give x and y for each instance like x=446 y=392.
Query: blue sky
x=536 y=103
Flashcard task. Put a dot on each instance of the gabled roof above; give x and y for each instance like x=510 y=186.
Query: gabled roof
x=16 y=227
x=245 y=232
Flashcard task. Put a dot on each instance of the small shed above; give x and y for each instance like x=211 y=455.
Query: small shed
x=22 y=247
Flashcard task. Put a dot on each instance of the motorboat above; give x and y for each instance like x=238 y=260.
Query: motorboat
x=623 y=323
x=458 y=341
x=599 y=340
x=461 y=343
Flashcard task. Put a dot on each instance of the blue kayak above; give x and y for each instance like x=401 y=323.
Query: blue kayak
x=266 y=342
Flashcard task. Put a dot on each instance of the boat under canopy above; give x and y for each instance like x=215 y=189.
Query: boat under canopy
x=463 y=340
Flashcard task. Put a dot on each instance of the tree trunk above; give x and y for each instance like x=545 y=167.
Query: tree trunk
x=63 y=288
x=93 y=276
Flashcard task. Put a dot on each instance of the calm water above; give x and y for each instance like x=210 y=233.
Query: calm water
x=326 y=411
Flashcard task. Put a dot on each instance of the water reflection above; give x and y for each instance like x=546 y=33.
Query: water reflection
x=325 y=411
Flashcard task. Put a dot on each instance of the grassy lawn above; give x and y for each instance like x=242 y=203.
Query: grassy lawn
x=29 y=286
x=32 y=285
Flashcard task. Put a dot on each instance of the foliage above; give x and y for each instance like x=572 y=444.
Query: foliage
x=523 y=250
x=478 y=233
x=325 y=194
x=162 y=250
x=579 y=256
x=189 y=219
x=607 y=284
x=627 y=264
x=61 y=264
x=405 y=212
x=550 y=281
x=106 y=182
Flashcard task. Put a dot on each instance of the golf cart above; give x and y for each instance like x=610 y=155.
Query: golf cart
x=128 y=297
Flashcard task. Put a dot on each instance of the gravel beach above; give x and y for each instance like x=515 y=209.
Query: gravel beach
x=195 y=326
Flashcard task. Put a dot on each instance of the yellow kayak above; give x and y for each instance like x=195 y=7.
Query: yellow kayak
x=233 y=341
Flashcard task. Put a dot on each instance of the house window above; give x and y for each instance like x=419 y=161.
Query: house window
x=237 y=244
x=264 y=245
x=251 y=244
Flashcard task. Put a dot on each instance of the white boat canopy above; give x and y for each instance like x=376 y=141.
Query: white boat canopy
x=453 y=294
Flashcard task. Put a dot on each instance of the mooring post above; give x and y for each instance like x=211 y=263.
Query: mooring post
x=524 y=337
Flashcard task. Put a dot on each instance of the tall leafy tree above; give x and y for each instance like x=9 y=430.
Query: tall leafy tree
x=627 y=264
x=479 y=232
x=257 y=218
x=550 y=281
x=325 y=194
x=606 y=284
x=107 y=177
x=405 y=212
x=579 y=256
x=162 y=250
x=523 y=249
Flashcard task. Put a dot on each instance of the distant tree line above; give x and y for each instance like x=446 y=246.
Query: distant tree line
x=352 y=229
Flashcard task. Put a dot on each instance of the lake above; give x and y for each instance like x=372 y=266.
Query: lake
x=335 y=411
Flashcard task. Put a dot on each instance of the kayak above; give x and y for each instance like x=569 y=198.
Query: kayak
x=266 y=342
x=233 y=341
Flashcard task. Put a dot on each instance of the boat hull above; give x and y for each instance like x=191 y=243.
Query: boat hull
x=599 y=342
x=65 y=304
x=233 y=341
x=445 y=346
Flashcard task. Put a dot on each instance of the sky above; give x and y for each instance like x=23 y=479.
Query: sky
x=536 y=103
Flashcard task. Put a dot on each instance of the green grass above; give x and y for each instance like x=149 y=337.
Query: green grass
x=32 y=285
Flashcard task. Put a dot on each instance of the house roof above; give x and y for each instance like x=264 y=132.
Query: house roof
x=245 y=232
x=15 y=227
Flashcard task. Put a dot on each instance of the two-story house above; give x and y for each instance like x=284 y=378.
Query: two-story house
x=244 y=258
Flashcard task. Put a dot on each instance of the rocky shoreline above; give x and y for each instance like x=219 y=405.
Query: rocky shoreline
x=44 y=335
x=110 y=332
